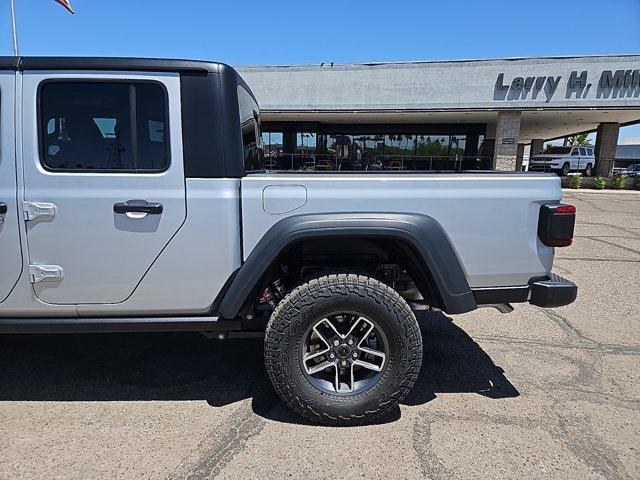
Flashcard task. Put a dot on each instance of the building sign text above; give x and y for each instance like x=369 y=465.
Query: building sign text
x=610 y=84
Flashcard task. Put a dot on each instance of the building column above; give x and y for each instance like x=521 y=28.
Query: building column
x=606 y=144
x=489 y=144
x=519 y=156
x=506 y=147
x=537 y=146
x=471 y=145
x=289 y=142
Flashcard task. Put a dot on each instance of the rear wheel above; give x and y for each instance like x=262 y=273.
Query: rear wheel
x=343 y=349
x=565 y=169
x=588 y=170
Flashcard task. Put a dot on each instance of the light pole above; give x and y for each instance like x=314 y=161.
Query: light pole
x=13 y=29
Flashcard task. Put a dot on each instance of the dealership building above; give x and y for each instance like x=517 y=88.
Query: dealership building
x=441 y=115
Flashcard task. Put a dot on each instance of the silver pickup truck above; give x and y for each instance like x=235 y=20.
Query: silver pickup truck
x=132 y=199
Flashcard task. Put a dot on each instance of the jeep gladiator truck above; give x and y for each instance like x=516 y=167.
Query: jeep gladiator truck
x=127 y=204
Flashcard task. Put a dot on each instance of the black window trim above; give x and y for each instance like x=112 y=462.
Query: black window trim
x=132 y=111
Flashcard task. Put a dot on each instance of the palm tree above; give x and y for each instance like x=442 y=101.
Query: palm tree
x=579 y=140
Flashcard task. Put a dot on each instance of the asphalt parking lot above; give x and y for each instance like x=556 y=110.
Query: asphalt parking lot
x=532 y=394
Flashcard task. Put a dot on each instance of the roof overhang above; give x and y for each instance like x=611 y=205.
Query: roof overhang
x=507 y=84
x=557 y=95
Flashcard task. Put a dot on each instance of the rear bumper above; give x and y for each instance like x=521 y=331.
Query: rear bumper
x=556 y=291
x=550 y=292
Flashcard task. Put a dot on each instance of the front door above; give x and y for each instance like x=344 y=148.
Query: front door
x=10 y=252
x=104 y=181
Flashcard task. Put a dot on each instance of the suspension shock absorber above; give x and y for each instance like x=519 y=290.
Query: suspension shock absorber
x=268 y=297
x=273 y=293
x=278 y=285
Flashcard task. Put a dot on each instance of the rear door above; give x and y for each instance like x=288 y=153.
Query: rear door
x=104 y=180
x=584 y=158
x=575 y=158
x=10 y=252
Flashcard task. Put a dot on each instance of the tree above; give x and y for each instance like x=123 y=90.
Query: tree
x=578 y=140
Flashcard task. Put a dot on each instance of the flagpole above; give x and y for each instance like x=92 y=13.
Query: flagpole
x=13 y=29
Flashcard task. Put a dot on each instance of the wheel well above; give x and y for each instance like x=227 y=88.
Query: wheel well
x=390 y=260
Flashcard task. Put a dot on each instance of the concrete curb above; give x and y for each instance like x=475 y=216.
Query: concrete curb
x=591 y=190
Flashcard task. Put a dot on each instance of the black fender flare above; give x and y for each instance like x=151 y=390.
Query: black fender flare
x=421 y=232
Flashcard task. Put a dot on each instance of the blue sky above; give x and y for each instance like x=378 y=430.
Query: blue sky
x=294 y=32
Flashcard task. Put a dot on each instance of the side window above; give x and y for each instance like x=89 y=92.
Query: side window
x=590 y=152
x=583 y=152
x=575 y=152
x=95 y=126
x=250 y=124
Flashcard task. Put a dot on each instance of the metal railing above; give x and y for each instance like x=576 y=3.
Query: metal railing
x=331 y=162
x=433 y=162
x=328 y=162
x=302 y=162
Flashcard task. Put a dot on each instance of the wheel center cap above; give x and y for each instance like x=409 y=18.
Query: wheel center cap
x=343 y=351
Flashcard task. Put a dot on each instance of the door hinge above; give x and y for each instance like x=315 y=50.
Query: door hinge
x=33 y=210
x=45 y=273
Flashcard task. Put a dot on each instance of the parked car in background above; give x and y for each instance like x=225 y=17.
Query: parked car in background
x=633 y=171
x=563 y=160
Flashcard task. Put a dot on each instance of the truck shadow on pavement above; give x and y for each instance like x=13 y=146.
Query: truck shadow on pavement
x=187 y=366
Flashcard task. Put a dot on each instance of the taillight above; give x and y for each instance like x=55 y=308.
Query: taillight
x=556 y=224
x=563 y=209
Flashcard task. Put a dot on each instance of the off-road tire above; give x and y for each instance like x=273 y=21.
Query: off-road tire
x=312 y=301
x=588 y=171
x=566 y=168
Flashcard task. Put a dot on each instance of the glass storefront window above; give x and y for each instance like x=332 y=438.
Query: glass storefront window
x=305 y=142
x=304 y=150
x=480 y=144
x=432 y=152
x=368 y=150
x=432 y=146
x=458 y=143
x=272 y=148
x=272 y=142
x=400 y=144
x=399 y=152
x=330 y=144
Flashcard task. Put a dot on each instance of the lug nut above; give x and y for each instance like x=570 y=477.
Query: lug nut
x=355 y=354
x=332 y=355
x=350 y=341
x=344 y=363
x=336 y=343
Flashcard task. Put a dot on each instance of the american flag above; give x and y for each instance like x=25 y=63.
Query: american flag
x=66 y=4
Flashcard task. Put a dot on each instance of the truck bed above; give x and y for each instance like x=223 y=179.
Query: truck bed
x=491 y=218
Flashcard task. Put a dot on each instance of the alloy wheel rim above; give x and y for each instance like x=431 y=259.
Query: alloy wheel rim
x=344 y=353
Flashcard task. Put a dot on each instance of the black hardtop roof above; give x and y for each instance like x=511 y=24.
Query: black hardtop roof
x=111 y=63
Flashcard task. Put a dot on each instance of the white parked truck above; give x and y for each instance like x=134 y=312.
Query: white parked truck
x=564 y=160
x=131 y=199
